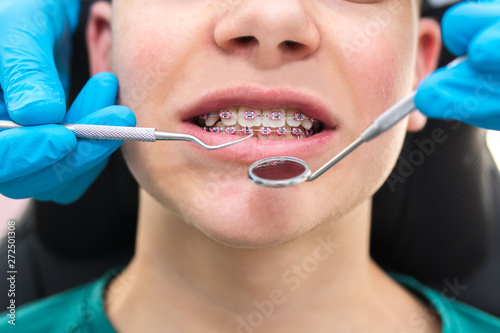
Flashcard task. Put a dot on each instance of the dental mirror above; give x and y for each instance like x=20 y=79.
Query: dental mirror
x=279 y=172
x=288 y=171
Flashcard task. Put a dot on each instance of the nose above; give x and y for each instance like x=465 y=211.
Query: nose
x=268 y=32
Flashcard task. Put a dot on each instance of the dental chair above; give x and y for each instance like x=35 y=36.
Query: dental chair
x=440 y=221
x=437 y=218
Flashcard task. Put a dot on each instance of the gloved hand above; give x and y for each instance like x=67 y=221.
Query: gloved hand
x=34 y=58
x=469 y=92
x=47 y=162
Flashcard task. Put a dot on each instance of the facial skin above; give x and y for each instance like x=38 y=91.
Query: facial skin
x=204 y=229
x=356 y=57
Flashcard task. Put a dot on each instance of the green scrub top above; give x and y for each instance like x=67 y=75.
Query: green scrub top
x=80 y=310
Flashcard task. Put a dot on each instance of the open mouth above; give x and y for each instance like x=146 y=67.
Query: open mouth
x=269 y=124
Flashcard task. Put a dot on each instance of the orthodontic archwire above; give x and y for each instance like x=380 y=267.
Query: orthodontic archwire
x=280 y=131
x=276 y=115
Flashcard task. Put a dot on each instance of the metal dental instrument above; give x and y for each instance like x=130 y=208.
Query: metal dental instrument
x=287 y=171
x=142 y=134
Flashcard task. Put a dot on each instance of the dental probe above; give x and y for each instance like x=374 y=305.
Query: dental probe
x=140 y=134
x=288 y=171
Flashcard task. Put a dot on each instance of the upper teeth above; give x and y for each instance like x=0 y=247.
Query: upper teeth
x=252 y=117
x=249 y=117
x=273 y=118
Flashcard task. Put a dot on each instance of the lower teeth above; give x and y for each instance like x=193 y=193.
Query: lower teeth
x=280 y=133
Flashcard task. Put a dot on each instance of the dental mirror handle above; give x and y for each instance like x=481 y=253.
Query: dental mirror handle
x=385 y=121
x=122 y=133
x=381 y=124
x=398 y=111
x=390 y=117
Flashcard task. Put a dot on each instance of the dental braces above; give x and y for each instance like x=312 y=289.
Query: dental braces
x=250 y=115
x=280 y=131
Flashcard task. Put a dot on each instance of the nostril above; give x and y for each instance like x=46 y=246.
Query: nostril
x=245 y=40
x=291 y=45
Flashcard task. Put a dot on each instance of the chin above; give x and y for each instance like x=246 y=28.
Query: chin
x=251 y=233
x=258 y=217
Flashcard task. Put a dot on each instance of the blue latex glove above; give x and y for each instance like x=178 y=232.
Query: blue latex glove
x=48 y=163
x=469 y=92
x=34 y=58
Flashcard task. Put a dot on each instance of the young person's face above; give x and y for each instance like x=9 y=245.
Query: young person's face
x=342 y=62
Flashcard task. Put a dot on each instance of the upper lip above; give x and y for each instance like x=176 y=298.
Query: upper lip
x=260 y=98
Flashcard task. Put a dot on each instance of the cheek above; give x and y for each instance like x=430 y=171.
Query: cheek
x=150 y=56
x=383 y=80
x=145 y=74
x=377 y=55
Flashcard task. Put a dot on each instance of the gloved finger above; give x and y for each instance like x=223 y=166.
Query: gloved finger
x=28 y=75
x=62 y=60
x=45 y=180
x=484 y=50
x=74 y=189
x=80 y=185
x=462 y=22
x=29 y=149
x=3 y=109
x=87 y=154
x=99 y=92
x=72 y=12
x=114 y=115
x=463 y=94
x=62 y=55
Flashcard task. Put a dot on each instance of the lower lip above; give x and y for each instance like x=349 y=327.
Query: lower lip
x=254 y=149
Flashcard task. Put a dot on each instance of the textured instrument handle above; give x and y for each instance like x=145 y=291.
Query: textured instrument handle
x=113 y=132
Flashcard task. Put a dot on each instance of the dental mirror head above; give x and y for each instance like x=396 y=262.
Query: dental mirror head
x=281 y=171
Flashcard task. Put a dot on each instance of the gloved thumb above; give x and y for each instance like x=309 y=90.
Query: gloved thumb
x=99 y=92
